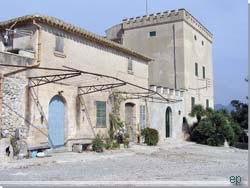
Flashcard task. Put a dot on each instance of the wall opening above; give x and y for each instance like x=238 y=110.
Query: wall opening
x=130 y=120
x=168 y=122
x=56 y=122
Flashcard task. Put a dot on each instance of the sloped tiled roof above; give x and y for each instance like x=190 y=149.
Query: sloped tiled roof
x=75 y=30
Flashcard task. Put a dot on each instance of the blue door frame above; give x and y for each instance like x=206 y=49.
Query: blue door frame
x=56 y=122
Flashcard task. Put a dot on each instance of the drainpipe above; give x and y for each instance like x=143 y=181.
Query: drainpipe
x=37 y=54
x=175 y=81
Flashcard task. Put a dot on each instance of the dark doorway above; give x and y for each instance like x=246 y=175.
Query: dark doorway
x=168 y=122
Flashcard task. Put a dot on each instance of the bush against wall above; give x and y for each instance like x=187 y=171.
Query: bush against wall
x=151 y=136
x=97 y=144
x=214 y=127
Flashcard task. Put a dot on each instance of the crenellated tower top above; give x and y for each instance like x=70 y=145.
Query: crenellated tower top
x=167 y=17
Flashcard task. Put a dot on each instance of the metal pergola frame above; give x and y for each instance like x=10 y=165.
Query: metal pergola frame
x=84 y=90
x=69 y=72
x=42 y=80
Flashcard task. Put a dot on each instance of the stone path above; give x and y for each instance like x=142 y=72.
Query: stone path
x=165 y=162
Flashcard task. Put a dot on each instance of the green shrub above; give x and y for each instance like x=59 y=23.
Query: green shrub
x=115 y=145
x=237 y=131
x=202 y=132
x=214 y=128
x=126 y=140
x=211 y=142
x=97 y=144
x=151 y=136
x=227 y=131
x=107 y=146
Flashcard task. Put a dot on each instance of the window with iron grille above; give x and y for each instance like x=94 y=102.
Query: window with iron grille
x=59 y=44
x=142 y=117
x=100 y=114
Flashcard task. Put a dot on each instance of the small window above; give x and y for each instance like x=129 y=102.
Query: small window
x=100 y=114
x=142 y=117
x=59 y=44
x=207 y=103
x=152 y=33
x=195 y=37
x=202 y=43
x=203 y=72
x=130 y=66
x=196 y=69
x=192 y=102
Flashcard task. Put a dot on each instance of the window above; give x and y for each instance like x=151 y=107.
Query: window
x=130 y=66
x=59 y=44
x=100 y=114
x=203 y=72
x=196 y=69
x=152 y=33
x=195 y=37
x=202 y=43
x=142 y=117
x=192 y=102
x=207 y=103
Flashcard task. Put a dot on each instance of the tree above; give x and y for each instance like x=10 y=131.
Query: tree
x=198 y=111
x=240 y=114
x=214 y=127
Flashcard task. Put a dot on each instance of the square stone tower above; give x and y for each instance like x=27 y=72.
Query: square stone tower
x=182 y=51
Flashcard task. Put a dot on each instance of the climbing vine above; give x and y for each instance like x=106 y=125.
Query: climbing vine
x=115 y=99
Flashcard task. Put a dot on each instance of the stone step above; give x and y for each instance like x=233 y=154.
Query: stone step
x=56 y=150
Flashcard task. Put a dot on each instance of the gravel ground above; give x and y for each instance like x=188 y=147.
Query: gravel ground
x=165 y=162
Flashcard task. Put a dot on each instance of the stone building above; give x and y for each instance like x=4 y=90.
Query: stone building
x=59 y=83
x=181 y=48
x=55 y=113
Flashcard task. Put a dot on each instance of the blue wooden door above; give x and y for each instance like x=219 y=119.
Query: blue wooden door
x=56 y=122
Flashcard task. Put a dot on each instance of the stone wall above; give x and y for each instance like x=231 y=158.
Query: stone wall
x=13 y=99
x=13 y=105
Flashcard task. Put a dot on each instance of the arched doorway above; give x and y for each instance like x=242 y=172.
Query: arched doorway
x=129 y=119
x=56 y=122
x=168 y=122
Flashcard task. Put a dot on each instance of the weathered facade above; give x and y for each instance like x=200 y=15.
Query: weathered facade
x=57 y=81
x=181 y=48
x=38 y=111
